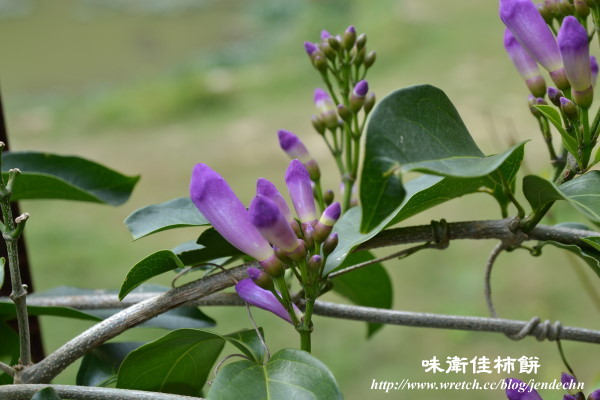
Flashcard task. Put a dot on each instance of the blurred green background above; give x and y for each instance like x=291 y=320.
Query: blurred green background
x=153 y=87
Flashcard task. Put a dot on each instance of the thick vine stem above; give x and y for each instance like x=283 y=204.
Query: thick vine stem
x=56 y=362
x=24 y=392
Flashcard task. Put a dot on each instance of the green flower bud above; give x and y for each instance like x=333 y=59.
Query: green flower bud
x=349 y=37
x=359 y=58
x=344 y=112
x=361 y=41
x=318 y=124
x=370 y=59
x=330 y=244
x=369 y=102
x=334 y=43
x=320 y=63
x=328 y=196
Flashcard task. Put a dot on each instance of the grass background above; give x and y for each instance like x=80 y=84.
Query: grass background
x=151 y=89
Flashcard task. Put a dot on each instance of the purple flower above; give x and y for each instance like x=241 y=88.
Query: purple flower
x=569 y=397
x=595 y=395
x=327 y=110
x=270 y=222
x=253 y=294
x=575 y=52
x=594 y=69
x=351 y=30
x=519 y=390
x=526 y=65
x=325 y=35
x=325 y=224
x=220 y=206
x=568 y=380
x=310 y=48
x=529 y=28
x=294 y=148
x=268 y=190
x=300 y=189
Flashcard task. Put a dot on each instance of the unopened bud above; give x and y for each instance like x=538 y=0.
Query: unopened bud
x=369 y=102
x=344 y=112
x=370 y=59
x=273 y=266
x=320 y=63
x=566 y=8
x=361 y=41
x=328 y=51
x=309 y=237
x=357 y=99
x=554 y=95
x=334 y=43
x=569 y=108
x=315 y=263
x=330 y=244
x=359 y=57
x=318 y=124
x=262 y=279
x=581 y=8
x=328 y=197
x=325 y=224
x=349 y=37
x=300 y=252
x=546 y=13
x=282 y=256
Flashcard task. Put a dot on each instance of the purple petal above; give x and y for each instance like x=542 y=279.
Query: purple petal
x=595 y=395
x=531 y=31
x=293 y=146
x=254 y=273
x=299 y=186
x=575 y=52
x=519 y=390
x=325 y=35
x=271 y=223
x=569 y=397
x=331 y=214
x=252 y=294
x=565 y=102
x=351 y=29
x=361 y=88
x=267 y=189
x=310 y=48
x=594 y=69
x=220 y=206
x=525 y=64
x=321 y=95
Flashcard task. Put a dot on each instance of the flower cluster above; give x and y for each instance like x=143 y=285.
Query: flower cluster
x=519 y=390
x=529 y=41
x=269 y=233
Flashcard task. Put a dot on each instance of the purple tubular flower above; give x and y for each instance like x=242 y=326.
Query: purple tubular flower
x=294 y=148
x=310 y=48
x=531 y=31
x=361 y=88
x=271 y=223
x=325 y=34
x=594 y=69
x=253 y=294
x=575 y=52
x=519 y=390
x=526 y=65
x=299 y=186
x=268 y=190
x=220 y=206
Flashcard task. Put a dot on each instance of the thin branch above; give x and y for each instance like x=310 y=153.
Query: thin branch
x=515 y=329
x=7 y=369
x=56 y=362
x=24 y=392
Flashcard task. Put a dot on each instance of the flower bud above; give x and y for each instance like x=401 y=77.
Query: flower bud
x=554 y=95
x=328 y=196
x=299 y=186
x=325 y=224
x=357 y=99
x=261 y=278
x=328 y=51
x=361 y=41
x=566 y=8
x=309 y=237
x=581 y=8
x=569 y=108
x=315 y=263
x=310 y=48
x=575 y=52
x=532 y=100
x=370 y=59
x=369 y=102
x=359 y=57
x=294 y=148
x=546 y=13
x=595 y=395
x=300 y=253
x=325 y=34
x=271 y=224
x=349 y=37
x=525 y=64
x=330 y=244
x=344 y=113
x=327 y=110
x=334 y=42
x=318 y=124
x=273 y=266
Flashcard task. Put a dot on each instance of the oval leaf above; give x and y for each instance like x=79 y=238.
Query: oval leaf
x=370 y=286
x=101 y=364
x=289 y=374
x=50 y=176
x=178 y=363
x=249 y=343
x=176 y=213
x=151 y=266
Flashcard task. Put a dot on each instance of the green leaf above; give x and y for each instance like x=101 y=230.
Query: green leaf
x=414 y=124
x=539 y=191
x=370 y=286
x=593 y=241
x=46 y=394
x=50 y=176
x=192 y=254
x=289 y=374
x=178 y=363
x=553 y=116
x=583 y=192
x=151 y=266
x=101 y=364
x=176 y=213
x=249 y=343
